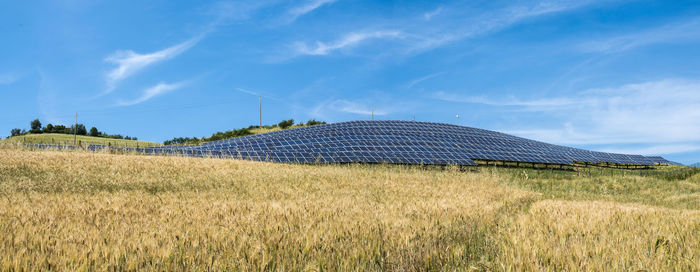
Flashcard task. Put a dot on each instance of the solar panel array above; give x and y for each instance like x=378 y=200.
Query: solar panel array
x=403 y=142
x=53 y=146
x=661 y=160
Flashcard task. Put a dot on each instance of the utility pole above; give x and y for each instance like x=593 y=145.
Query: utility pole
x=372 y=111
x=260 y=110
x=75 y=130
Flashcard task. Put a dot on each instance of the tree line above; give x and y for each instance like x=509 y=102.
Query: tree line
x=237 y=133
x=35 y=127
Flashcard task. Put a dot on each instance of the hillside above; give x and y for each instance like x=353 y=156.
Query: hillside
x=271 y=129
x=95 y=211
x=234 y=133
x=66 y=139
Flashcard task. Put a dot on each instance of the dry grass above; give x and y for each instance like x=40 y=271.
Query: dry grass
x=259 y=130
x=67 y=139
x=86 y=211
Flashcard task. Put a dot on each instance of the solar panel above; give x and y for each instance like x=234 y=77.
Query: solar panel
x=405 y=142
x=52 y=146
x=661 y=160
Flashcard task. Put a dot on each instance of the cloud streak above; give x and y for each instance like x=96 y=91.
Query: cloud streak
x=417 y=37
x=159 y=89
x=433 y=36
x=349 y=40
x=259 y=94
x=346 y=106
x=355 y=108
x=305 y=8
x=663 y=149
x=8 y=79
x=227 y=11
x=658 y=113
x=429 y=15
x=129 y=62
x=671 y=33
x=511 y=101
x=421 y=79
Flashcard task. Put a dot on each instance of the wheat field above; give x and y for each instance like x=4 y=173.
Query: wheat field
x=73 y=210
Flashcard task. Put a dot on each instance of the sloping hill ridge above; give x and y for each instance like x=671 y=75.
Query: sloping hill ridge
x=68 y=140
x=406 y=142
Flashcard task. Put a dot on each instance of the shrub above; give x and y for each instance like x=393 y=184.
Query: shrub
x=313 y=122
x=181 y=141
x=60 y=129
x=286 y=123
x=233 y=133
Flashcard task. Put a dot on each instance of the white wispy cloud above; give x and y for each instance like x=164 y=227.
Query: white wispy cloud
x=129 y=62
x=248 y=91
x=671 y=33
x=421 y=79
x=159 y=89
x=223 y=11
x=305 y=8
x=346 y=106
x=8 y=78
x=662 y=113
x=349 y=40
x=356 y=108
x=470 y=26
x=417 y=37
x=509 y=101
x=662 y=149
x=265 y=95
x=230 y=11
x=429 y=15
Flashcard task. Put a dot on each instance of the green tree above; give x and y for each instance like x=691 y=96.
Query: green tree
x=48 y=128
x=80 y=129
x=286 y=123
x=61 y=129
x=35 y=126
x=15 y=132
x=94 y=132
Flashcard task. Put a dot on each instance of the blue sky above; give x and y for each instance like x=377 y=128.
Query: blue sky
x=619 y=76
